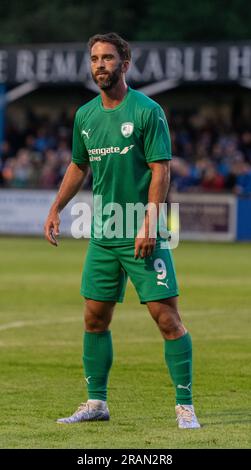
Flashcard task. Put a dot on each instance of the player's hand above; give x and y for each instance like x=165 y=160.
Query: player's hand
x=51 y=227
x=144 y=245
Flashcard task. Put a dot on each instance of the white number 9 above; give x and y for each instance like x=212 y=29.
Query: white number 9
x=160 y=268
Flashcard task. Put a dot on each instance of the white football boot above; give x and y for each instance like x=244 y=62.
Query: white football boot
x=90 y=411
x=186 y=417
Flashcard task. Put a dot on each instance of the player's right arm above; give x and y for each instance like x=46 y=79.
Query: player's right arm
x=72 y=182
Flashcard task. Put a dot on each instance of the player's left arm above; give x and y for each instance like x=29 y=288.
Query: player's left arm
x=157 y=149
x=158 y=189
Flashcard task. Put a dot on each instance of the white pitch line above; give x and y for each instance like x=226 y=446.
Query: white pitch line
x=22 y=324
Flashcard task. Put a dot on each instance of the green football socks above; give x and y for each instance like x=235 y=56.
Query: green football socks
x=178 y=356
x=97 y=361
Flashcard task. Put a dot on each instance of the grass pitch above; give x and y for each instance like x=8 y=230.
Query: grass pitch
x=41 y=348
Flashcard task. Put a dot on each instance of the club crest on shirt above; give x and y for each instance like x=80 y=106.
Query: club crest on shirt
x=127 y=129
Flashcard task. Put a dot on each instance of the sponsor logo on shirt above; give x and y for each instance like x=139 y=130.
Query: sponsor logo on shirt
x=127 y=129
x=95 y=154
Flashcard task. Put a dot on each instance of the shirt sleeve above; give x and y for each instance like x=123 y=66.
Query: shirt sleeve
x=157 y=142
x=79 y=151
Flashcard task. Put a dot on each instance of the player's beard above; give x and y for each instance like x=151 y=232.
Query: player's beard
x=109 y=80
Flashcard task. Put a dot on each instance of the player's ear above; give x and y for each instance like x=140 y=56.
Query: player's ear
x=125 y=66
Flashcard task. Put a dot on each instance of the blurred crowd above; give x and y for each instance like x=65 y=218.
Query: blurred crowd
x=36 y=155
x=211 y=152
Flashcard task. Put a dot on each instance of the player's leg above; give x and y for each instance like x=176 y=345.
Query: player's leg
x=178 y=357
x=155 y=281
x=103 y=284
x=177 y=346
x=165 y=313
x=97 y=347
x=97 y=361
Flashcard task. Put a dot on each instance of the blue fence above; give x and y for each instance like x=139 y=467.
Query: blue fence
x=243 y=225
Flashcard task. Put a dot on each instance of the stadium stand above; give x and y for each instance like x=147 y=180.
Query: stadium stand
x=212 y=152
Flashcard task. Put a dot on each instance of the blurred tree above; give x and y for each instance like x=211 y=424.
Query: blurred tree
x=202 y=20
x=37 y=21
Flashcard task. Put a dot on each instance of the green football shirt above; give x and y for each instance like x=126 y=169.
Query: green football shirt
x=118 y=143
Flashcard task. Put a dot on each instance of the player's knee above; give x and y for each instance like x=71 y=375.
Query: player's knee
x=96 y=320
x=95 y=325
x=169 y=324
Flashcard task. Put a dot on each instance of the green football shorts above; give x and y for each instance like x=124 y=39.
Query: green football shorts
x=107 y=268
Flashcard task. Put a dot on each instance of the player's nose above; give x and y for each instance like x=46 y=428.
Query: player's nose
x=100 y=63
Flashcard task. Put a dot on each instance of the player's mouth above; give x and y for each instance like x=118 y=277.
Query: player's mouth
x=100 y=74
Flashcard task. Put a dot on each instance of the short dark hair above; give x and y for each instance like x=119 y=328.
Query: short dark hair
x=113 y=38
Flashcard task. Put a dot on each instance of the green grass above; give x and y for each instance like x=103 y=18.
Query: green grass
x=41 y=347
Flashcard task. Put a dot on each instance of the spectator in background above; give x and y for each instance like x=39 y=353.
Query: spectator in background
x=209 y=152
x=184 y=176
x=49 y=172
x=22 y=170
x=6 y=151
x=242 y=171
x=212 y=180
x=245 y=145
x=8 y=172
